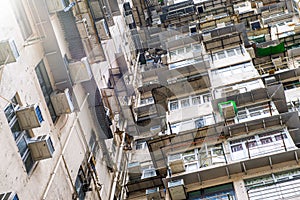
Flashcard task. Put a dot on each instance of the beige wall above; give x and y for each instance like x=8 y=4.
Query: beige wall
x=69 y=134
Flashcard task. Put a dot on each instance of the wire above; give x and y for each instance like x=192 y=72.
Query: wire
x=9 y=101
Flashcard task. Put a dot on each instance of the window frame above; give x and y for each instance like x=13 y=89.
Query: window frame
x=203 y=98
x=46 y=88
x=23 y=135
x=22 y=19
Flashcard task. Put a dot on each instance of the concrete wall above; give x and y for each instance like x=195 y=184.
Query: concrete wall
x=51 y=178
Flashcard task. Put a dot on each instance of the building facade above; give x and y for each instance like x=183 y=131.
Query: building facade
x=216 y=100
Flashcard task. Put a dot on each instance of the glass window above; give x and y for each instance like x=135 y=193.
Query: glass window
x=196 y=100
x=279 y=137
x=140 y=145
x=20 y=136
x=180 y=51
x=199 y=123
x=266 y=140
x=238 y=147
x=206 y=98
x=230 y=52
x=221 y=55
x=188 y=49
x=22 y=18
x=191 y=166
x=185 y=103
x=174 y=105
x=251 y=144
x=46 y=87
x=9 y=112
x=238 y=50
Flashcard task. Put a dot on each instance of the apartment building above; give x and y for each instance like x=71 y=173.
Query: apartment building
x=216 y=100
x=56 y=134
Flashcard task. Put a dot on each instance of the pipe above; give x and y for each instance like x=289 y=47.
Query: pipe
x=86 y=145
x=123 y=190
x=120 y=155
x=62 y=152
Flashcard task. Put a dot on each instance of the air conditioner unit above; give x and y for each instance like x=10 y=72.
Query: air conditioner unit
x=277 y=62
x=164 y=59
x=255 y=25
x=227 y=109
x=41 y=147
x=29 y=117
x=102 y=29
x=56 y=5
x=80 y=71
x=134 y=170
x=153 y=194
x=155 y=129
x=129 y=19
x=134 y=167
x=206 y=36
x=221 y=25
x=297 y=28
x=177 y=189
x=8 y=52
x=176 y=163
x=270 y=80
x=62 y=102
x=148 y=173
x=9 y=196
x=251 y=52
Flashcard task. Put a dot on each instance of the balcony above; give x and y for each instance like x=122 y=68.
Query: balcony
x=227 y=170
x=253 y=112
x=144 y=109
x=263 y=144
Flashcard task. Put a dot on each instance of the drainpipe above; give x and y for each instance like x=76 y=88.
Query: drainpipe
x=123 y=190
x=87 y=157
x=115 y=181
x=45 y=193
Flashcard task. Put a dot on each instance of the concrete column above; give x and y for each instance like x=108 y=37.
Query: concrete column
x=240 y=190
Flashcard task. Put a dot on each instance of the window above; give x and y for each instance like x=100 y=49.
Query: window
x=206 y=98
x=251 y=144
x=227 y=53
x=254 y=112
x=189 y=101
x=196 y=100
x=266 y=140
x=235 y=69
x=191 y=167
x=22 y=18
x=46 y=87
x=21 y=136
x=140 y=145
x=260 y=144
x=185 y=103
x=279 y=137
x=79 y=184
x=199 y=123
x=174 y=105
x=236 y=148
